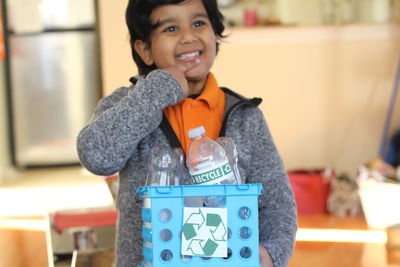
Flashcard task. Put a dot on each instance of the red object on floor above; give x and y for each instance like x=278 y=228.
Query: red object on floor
x=311 y=190
x=63 y=221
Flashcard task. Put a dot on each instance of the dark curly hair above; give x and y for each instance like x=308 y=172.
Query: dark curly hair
x=137 y=18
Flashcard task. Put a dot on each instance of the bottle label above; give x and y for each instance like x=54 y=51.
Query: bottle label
x=212 y=175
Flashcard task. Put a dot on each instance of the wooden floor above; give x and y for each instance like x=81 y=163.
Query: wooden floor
x=27 y=248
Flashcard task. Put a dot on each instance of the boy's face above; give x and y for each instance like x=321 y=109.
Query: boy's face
x=183 y=33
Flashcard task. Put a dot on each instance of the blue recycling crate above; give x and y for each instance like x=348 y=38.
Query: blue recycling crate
x=162 y=215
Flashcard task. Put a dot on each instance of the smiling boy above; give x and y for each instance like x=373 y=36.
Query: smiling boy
x=174 y=44
x=182 y=42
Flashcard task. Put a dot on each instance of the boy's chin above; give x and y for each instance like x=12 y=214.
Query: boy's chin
x=195 y=76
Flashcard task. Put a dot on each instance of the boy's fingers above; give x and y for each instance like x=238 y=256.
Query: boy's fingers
x=185 y=66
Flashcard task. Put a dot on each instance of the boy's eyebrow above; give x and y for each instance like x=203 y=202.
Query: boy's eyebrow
x=162 y=22
x=202 y=15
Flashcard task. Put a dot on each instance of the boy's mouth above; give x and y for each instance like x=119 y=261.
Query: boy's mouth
x=189 y=56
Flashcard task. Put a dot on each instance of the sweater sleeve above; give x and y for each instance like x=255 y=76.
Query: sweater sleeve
x=277 y=208
x=124 y=118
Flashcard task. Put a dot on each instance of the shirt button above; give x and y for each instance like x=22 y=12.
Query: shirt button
x=188 y=106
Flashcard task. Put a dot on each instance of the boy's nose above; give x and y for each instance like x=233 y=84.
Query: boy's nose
x=188 y=36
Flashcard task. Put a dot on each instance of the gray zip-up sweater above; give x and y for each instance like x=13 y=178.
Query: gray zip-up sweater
x=127 y=124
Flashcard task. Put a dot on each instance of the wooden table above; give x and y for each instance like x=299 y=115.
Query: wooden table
x=22 y=246
x=341 y=253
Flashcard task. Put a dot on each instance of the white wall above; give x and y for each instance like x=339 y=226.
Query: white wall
x=325 y=89
x=305 y=12
x=5 y=160
x=117 y=63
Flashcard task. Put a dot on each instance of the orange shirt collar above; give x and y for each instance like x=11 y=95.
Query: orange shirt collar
x=211 y=93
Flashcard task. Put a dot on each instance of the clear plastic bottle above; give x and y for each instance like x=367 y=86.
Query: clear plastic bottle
x=231 y=152
x=179 y=170
x=164 y=167
x=208 y=164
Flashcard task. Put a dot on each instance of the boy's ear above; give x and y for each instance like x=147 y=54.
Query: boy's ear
x=144 y=52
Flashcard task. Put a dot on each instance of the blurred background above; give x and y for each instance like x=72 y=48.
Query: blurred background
x=327 y=70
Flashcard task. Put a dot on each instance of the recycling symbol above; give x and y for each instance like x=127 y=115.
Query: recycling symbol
x=204 y=232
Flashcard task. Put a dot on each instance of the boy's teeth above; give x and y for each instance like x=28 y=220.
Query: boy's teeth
x=189 y=55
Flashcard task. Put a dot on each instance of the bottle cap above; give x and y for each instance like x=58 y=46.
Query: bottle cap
x=196 y=132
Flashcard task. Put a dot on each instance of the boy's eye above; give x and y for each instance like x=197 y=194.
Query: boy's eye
x=170 y=29
x=199 y=23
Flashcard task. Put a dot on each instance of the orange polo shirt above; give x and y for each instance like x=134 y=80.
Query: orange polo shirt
x=206 y=110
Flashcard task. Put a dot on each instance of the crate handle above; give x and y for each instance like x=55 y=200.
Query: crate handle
x=243 y=186
x=164 y=189
x=140 y=191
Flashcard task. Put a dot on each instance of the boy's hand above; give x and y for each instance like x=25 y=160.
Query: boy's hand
x=265 y=258
x=178 y=71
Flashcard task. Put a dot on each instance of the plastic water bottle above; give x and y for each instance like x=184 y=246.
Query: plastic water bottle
x=179 y=169
x=164 y=167
x=208 y=164
x=231 y=152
